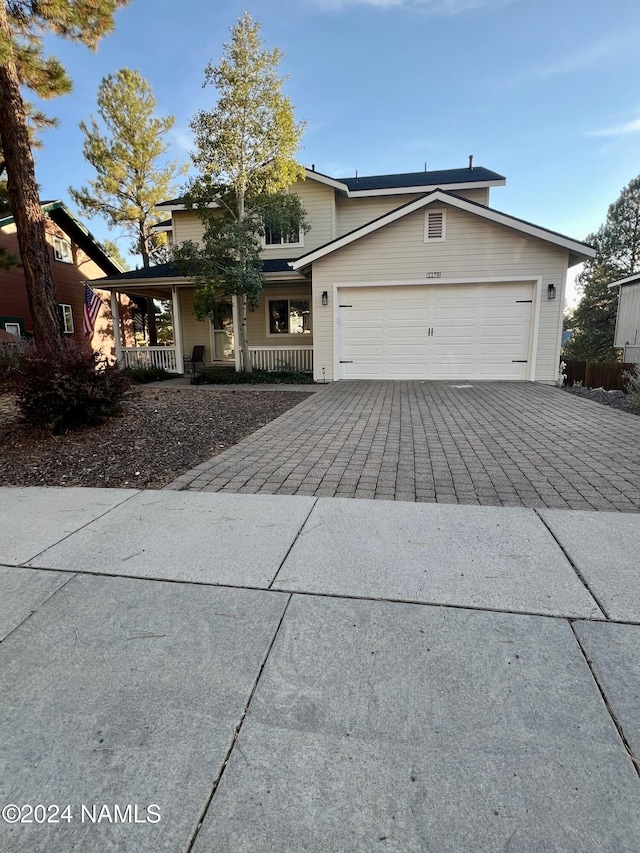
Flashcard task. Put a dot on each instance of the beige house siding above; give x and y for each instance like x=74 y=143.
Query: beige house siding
x=628 y=319
x=474 y=249
x=258 y=320
x=354 y=212
x=186 y=226
x=319 y=202
x=194 y=332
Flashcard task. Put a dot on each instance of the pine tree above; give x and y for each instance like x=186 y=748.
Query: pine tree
x=129 y=180
x=245 y=155
x=617 y=243
x=23 y=63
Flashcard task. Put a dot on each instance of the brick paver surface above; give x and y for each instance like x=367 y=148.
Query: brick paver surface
x=493 y=443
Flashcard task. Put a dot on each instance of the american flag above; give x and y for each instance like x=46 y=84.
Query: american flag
x=92 y=304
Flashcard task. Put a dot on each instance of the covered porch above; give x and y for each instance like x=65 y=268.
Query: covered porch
x=279 y=329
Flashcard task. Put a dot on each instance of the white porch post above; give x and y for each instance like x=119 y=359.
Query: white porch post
x=177 y=328
x=236 y=336
x=115 y=319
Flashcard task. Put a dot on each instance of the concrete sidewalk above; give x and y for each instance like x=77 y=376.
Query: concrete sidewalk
x=283 y=673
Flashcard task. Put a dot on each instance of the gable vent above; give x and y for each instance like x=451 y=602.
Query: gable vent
x=434 y=228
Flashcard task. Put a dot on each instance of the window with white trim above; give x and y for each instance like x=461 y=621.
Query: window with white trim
x=435 y=226
x=289 y=317
x=13 y=329
x=62 y=250
x=67 y=317
x=275 y=238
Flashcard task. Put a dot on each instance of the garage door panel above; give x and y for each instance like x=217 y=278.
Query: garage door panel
x=455 y=313
x=362 y=333
x=436 y=331
x=364 y=315
x=407 y=371
x=408 y=351
x=403 y=315
x=362 y=371
x=362 y=350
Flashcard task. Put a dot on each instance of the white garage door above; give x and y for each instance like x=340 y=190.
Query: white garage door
x=472 y=331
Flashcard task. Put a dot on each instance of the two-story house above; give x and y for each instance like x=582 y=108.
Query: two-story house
x=76 y=257
x=407 y=276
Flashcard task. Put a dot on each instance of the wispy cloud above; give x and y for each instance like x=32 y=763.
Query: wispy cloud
x=600 y=51
x=434 y=7
x=626 y=129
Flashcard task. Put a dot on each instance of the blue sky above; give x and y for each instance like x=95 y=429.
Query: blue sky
x=545 y=92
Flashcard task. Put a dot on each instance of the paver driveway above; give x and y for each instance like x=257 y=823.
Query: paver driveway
x=492 y=443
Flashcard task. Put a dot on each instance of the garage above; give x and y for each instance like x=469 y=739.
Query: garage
x=439 y=331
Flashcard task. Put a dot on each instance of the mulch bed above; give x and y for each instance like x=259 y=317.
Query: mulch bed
x=614 y=399
x=161 y=434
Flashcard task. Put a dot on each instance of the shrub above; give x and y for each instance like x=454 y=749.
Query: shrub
x=142 y=375
x=633 y=385
x=71 y=390
x=9 y=360
x=225 y=376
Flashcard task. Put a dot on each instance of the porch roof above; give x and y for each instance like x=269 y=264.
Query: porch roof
x=167 y=274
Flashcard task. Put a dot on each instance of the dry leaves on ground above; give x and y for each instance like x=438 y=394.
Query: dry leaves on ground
x=161 y=434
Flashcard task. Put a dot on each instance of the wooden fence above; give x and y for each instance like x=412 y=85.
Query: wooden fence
x=598 y=374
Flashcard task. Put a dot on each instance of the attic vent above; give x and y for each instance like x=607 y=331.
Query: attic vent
x=434 y=226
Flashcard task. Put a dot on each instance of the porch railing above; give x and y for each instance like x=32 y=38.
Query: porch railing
x=161 y=357
x=282 y=358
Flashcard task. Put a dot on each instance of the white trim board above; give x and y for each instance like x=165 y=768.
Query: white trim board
x=427 y=188
x=630 y=279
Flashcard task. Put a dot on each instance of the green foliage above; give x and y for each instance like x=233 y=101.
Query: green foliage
x=618 y=245
x=84 y=21
x=245 y=156
x=633 y=385
x=227 y=376
x=115 y=254
x=7 y=260
x=75 y=389
x=143 y=375
x=248 y=141
x=164 y=322
x=124 y=150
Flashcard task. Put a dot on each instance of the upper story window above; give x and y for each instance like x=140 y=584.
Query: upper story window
x=62 y=250
x=67 y=318
x=275 y=238
x=435 y=226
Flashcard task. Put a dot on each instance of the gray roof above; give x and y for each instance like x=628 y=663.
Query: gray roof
x=402 y=180
x=168 y=270
x=437 y=178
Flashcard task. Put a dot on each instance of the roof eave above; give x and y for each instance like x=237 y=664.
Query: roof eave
x=630 y=279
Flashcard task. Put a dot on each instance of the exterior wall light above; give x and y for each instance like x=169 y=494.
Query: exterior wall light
x=325 y=297
x=551 y=291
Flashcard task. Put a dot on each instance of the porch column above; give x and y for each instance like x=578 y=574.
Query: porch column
x=177 y=328
x=115 y=319
x=236 y=336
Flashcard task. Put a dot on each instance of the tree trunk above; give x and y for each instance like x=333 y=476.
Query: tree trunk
x=244 y=338
x=25 y=206
x=151 y=311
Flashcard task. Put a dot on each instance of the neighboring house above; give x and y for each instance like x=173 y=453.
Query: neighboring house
x=76 y=257
x=628 y=318
x=408 y=276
